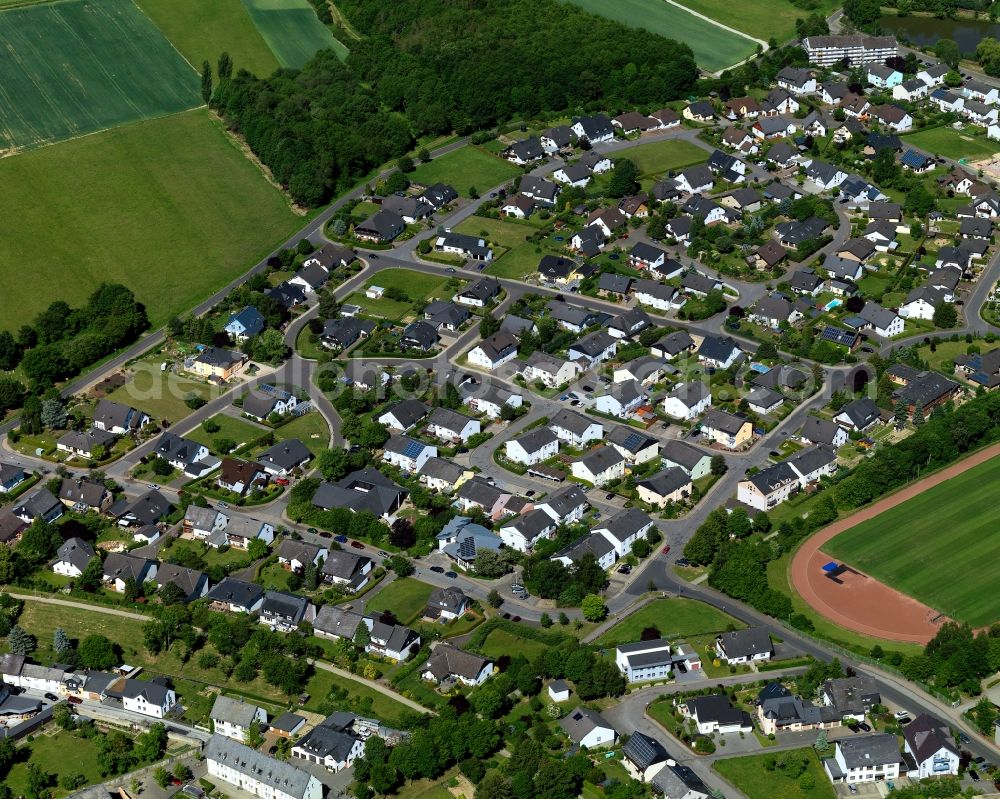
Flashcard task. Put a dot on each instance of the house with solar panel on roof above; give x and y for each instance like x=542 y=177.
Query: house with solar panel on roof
x=407 y=453
x=643 y=757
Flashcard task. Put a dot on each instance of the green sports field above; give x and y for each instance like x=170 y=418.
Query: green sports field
x=951 y=143
x=78 y=66
x=170 y=207
x=203 y=30
x=714 y=48
x=938 y=547
x=292 y=30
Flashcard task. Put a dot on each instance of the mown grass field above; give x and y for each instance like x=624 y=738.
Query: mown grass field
x=659 y=157
x=501 y=642
x=79 y=66
x=760 y=18
x=292 y=30
x=497 y=231
x=938 y=547
x=753 y=779
x=714 y=48
x=465 y=168
x=48 y=751
x=672 y=617
x=202 y=31
x=405 y=598
x=160 y=206
x=955 y=144
x=242 y=431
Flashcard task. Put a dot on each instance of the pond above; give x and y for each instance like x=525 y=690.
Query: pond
x=927 y=31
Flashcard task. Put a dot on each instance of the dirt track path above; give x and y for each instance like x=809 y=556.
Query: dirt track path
x=867 y=606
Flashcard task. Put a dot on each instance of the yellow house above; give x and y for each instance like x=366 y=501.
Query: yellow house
x=727 y=429
x=214 y=362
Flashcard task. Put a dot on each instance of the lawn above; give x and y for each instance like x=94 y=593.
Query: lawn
x=714 y=48
x=112 y=66
x=202 y=31
x=310 y=428
x=951 y=526
x=160 y=206
x=673 y=618
x=405 y=598
x=501 y=642
x=952 y=143
x=505 y=234
x=49 y=751
x=944 y=351
x=238 y=430
x=419 y=287
x=466 y=168
x=761 y=18
x=658 y=157
x=292 y=31
x=516 y=264
x=750 y=775
x=160 y=394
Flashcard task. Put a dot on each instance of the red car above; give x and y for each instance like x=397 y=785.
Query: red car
x=282 y=481
x=357 y=545
x=666 y=550
x=74 y=700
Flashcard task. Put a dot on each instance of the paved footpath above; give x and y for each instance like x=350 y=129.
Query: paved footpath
x=125 y=614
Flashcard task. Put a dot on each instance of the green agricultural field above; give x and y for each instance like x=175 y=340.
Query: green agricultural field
x=201 y=31
x=714 y=48
x=760 y=18
x=160 y=206
x=951 y=526
x=292 y=30
x=79 y=66
x=465 y=168
x=659 y=157
x=752 y=778
x=955 y=144
x=406 y=598
x=679 y=618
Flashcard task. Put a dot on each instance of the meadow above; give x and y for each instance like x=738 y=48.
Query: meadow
x=292 y=30
x=160 y=206
x=761 y=18
x=80 y=66
x=677 y=617
x=202 y=31
x=954 y=144
x=465 y=168
x=714 y=48
x=659 y=157
x=753 y=779
x=405 y=598
x=937 y=547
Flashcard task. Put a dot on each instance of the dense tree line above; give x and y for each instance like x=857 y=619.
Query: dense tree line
x=429 y=68
x=62 y=341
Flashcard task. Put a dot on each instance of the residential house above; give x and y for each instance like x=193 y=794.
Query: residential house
x=84 y=495
x=565 y=505
x=297 y=556
x=596 y=128
x=245 y=324
x=217 y=363
x=404 y=415
x=236 y=596
x=283 y=611
x=670 y=485
x=931 y=744
x=533 y=447
x=439 y=474
x=687 y=400
x=40 y=504
x=699 y=111
x=694 y=462
x=191 y=583
x=796 y=80
x=822 y=431
x=715 y=714
x=587 y=729
x=749 y=645
x=600 y=466
x=381 y=227
x=72 y=557
x=366 y=489
x=852 y=697
x=732 y=431
x=257 y=773
x=525 y=151
x=654 y=659
x=679 y=782
x=883 y=77
x=284 y=457
x=866 y=758
x=576 y=429
x=635 y=446
x=479 y=294
x=148 y=697
x=143 y=511
x=241 y=476
x=451 y=426
x=333 y=743
x=593 y=544
x=719 y=352
x=347 y=569
x=233 y=718
x=407 y=454
x=643 y=757
x=266 y=399
x=120 y=567
x=523 y=532
x=447 y=603
x=448 y=663
x=624 y=529
x=859 y=414
x=113 y=417
x=763 y=401
x=241 y=530
x=622 y=399
x=91 y=443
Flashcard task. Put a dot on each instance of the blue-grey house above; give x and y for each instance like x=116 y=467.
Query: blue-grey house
x=245 y=324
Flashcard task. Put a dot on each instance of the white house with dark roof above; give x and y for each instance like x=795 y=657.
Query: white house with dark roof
x=624 y=529
x=533 y=447
x=687 y=400
x=257 y=773
x=449 y=663
x=575 y=429
x=600 y=466
x=865 y=758
x=565 y=505
x=407 y=453
x=233 y=717
x=931 y=744
x=451 y=426
x=591 y=544
x=749 y=645
x=522 y=532
x=493 y=352
x=72 y=557
x=587 y=728
x=662 y=488
x=694 y=461
x=147 y=697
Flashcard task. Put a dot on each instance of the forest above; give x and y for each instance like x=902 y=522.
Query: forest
x=428 y=68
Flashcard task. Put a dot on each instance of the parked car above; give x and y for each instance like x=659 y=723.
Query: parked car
x=609 y=496
x=451 y=575
x=974 y=774
x=683 y=562
x=340 y=539
x=357 y=545
x=863 y=726
x=516 y=618
x=852 y=788
x=437 y=569
x=282 y=481
x=224 y=505
x=666 y=549
x=383 y=554
x=74 y=700
x=52 y=697
x=625 y=569
x=325 y=534
x=312 y=530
